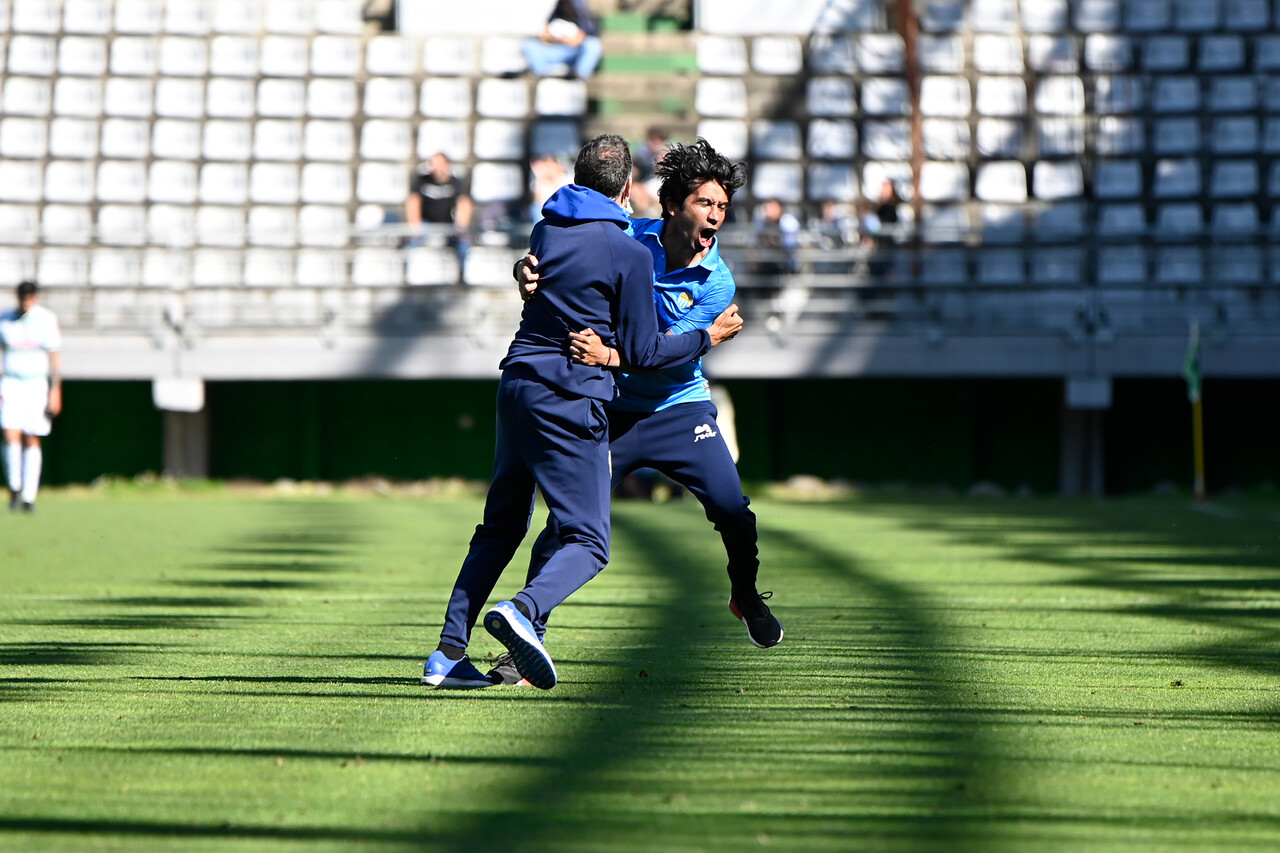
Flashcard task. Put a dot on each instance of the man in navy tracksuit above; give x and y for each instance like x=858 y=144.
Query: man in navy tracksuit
x=665 y=420
x=552 y=430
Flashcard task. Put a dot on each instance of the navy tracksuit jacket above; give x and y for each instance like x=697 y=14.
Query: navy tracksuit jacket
x=552 y=429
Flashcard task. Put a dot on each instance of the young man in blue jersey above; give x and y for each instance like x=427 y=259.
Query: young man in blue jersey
x=552 y=431
x=666 y=420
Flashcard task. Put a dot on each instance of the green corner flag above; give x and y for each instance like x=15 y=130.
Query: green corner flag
x=1191 y=367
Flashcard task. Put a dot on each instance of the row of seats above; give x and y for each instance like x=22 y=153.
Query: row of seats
x=1092 y=16
x=1069 y=221
x=182 y=17
x=280 y=140
x=182 y=182
x=885 y=53
x=228 y=97
x=269 y=56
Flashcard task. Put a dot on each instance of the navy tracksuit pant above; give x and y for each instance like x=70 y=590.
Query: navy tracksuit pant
x=683 y=442
x=557 y=442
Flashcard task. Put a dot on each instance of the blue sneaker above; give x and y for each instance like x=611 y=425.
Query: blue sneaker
x=439 y=671
x=509 y=627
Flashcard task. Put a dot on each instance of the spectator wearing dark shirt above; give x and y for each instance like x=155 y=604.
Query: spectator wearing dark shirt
x=439 y=200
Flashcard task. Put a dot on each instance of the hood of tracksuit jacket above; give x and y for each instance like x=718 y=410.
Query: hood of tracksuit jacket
x=583 y=205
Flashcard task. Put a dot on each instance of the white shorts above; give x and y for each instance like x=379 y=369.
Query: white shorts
x=24 y=405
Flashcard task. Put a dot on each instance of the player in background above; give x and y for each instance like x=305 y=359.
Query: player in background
x=666 y=420
x=30 y=391
x=552 y=431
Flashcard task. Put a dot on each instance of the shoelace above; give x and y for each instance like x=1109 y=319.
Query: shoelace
x=750 y=608
x=505 y=659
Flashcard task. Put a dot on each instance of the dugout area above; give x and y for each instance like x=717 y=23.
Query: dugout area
x=914 y=432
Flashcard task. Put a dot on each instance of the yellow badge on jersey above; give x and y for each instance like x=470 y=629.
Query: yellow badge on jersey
x=685 y=300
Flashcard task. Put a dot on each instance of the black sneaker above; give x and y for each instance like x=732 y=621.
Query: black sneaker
x=763 y=628
x=29 y=508
x=15 y=501
x=504 y=672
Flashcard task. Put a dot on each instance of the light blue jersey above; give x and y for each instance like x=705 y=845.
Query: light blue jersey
x=687 y=298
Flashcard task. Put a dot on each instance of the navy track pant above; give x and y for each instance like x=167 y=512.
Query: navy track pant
x=683 y=442
x=557 y=442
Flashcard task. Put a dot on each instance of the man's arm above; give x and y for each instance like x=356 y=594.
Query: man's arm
x=55 y=383
x=462 y=212
x=586 y=347
x=640 y=343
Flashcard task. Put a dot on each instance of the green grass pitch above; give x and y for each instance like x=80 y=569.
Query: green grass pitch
x=221 y=671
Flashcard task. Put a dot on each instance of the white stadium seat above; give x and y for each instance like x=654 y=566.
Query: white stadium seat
x=114 y=268
x=776 y=140
x=273 y=183
x=139 y=17
x=1097 y=16
x=134 y=56
x=35 y=56
x=783 y=181
x=724 y=98
x=1001 y=181
x=283 y=56
x=63 y=268
x=28 y=96
x=885 y=96
x=165 y=268
x=381 y=139
x=1052 y=54
x=277 y=140
x=1107 y=53
x=390 y=56
x=730 y=137
x=87 y=17
x=940 y=54
x=381 y=183
x=721 y=55
x=23 y=138
x=427 y=266
x=238 y=17
x=231 y=98
x=554 y=97
x=122 y=224
x=272 y=226
x=1117 y=95
x=993 y=16
x=887 y=140
x=122 y=181
x=445 y=97
x=944 y=97
x=172 y=182
x=17 y=264
x=829 y=139
x=377 y=268
x=71 y=97
x=68 y=181
x=1001 y=96
x=233 y=56
x=128 y=97
x=831 y=97
x=998 y=55
x=335 y=56
x=73 y=139
x=495 y=182
x=320 y=269
x=268 y=268
x=1060 y=95
x=216 y=268
x=323 y=226
x=776 y=55
x=944 y=182
x=331 y=99
x=126 y=139
x=282 y=99
x=177 y=98
x=328 y=140
x=501 y=56
x=224 y=183
x=1044 y=16
x=497 y=98
x=220 y=226
x=877 y=54
x=386 y=97
x=999 y=138
x=944 y=139
x=289 y=17
x=171 y=225
x=1061 y=137
x=66 y=225
x=449 y=137
x=1053 y=180
x=447 y=57
x=82 y=55
x=498 y=139
x=326 y=183
x=19 y=224
x=834 y=53
x=228 y=140
x=939 y=16
x=184 y=57
x=833 y=181
x=188 y=17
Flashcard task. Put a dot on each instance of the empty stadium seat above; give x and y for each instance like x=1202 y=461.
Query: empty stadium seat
x=1054 y=180
x=1176 y=178
x=1247 y=15
x=28 y=96
x=1113 y=179
x=1172 y=136
x=999 y=138
x=776 y=55
x=1052 y=54
x=62 y=268
x=24 y=138
x=289 y=17
x=381 y=183
x=942 y=16
x=721 y=55
x=876 y=54
x=328 y=140
x=427 y=266
x=1097 y=16
x=184 y=57
x=1001 y=267
x=555 y=136
x=943 y=223
x=335 y=56
x=1119 y=136
x=87 y=17
x=1232 y=95
x=1061 y=136
x=128 y=139
x=133 y=56
x=36 y=56
x=1234 y=135
x=268 y=268
x=834 y=53
x=228 y=140
x=127 y=97
x=775 y=140
x=1057 y=267
x=1121 y=221
x=1062 y=222
x=386 y=97
x=283 y=56
x=448 y=57
x=946 y=97
x=224 y=183
x=944 y=267
x=73 y=139
x=1044 y=16
x=1001 y=181
x=1107 y=53
x=940 y=54
x=497 y=98
x=824 y=96
x=17 y=264
x=277 y=140
x=1147 y=16
x=942 y=139
x=323 y=226
x=998 y=54
x=1221 y=53
x=944 y=182
x=1270 y=136
x=172 y=182
x=1238 y=220
x=273 y=183
x=1176 y=94
x=70 y=181
x=554 y=97
x=1178 y=221
x=993 y=16
x=122 y=224
x=238 y=17
x=730 y=136
x=1196 y=16
x=19 y=224
x=71 y=97
x=141 y=17
x=450 y=137
x=217 y=268
x=21 y=181
x=1001 y=96
x=833 y=181
x=1233 y=179
x=445 y=97
x=320 y=269
x=885 y=96
x=220 y=226
x=377 y=268
x=1002 y=224
x=66 y=225
x=887 y=140
x=1119 y=94
x=1060 y=95
x=179 y=98
x=501 y=56
x=171 y=225
x=827 y=139
x=727 y=98
x=331 y=98
x=114 y=268
x=1179 y=265
x=783 y=181
x=498 y=139
x=272 y=226
x=234 y=98
x=233 y=56
x=1118 y=265
x=1166 y=53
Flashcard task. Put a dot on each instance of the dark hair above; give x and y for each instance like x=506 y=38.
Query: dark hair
x=687 y=167
x=27 y=288
x=604 y=165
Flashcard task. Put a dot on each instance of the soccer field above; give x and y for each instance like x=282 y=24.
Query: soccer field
x=223 y=671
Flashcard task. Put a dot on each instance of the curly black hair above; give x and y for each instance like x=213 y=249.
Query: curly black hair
x=687 y=167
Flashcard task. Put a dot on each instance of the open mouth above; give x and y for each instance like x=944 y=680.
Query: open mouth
x=705 y=236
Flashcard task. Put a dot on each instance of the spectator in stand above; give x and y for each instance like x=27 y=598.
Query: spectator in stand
x=650 y=153
x=439 y=200
x=571 y=37
x=549 y=175
x=882 y=228
x=778 y=230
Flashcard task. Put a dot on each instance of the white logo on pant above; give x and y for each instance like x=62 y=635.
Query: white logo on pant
x=701 y=432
